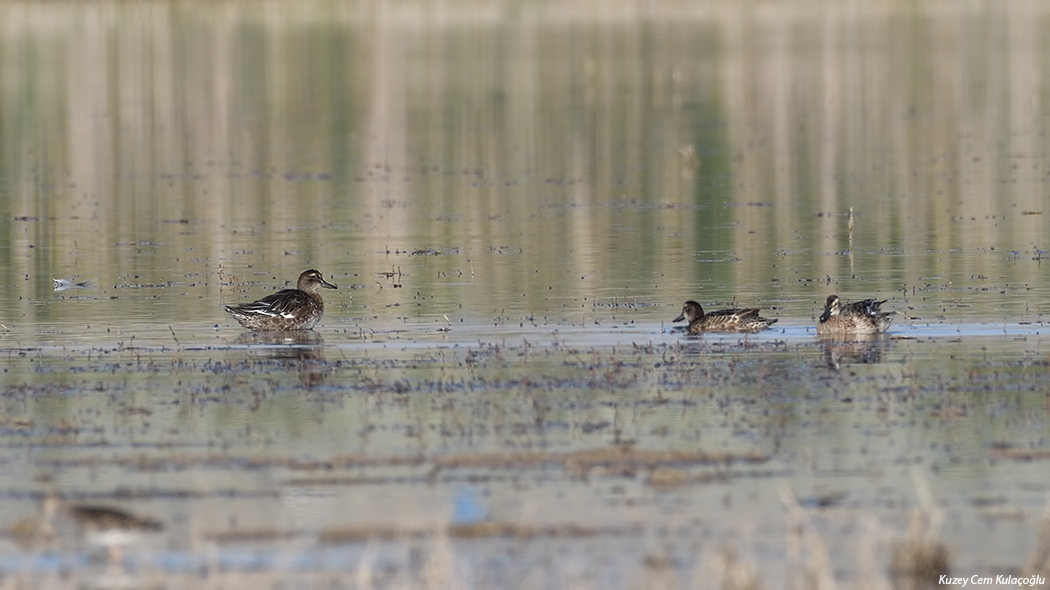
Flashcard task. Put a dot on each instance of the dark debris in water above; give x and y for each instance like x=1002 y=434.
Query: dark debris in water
x=481 y=530
x=623 y=457
x=653 y=422
x=617 y=459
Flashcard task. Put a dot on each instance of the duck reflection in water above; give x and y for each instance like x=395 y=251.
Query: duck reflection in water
x=290 y=344
x=302 y=350
x=863 y=349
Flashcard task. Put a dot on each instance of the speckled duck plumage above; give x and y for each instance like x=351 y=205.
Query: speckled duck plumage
x=289 y=309
x=856 y=318
x=723 y=320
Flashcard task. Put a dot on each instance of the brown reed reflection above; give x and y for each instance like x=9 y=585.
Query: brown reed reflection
x=707 y=179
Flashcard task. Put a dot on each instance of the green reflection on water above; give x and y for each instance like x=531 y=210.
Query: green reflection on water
x=711 y=156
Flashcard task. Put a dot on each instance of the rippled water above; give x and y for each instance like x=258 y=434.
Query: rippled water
x=515 y=202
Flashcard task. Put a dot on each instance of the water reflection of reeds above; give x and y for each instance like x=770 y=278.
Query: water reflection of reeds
x=910 y=119
x=560 y=160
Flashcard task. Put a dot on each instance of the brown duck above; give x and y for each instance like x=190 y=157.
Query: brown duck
x=723 y=320
x=289 y=309
x=856 y=318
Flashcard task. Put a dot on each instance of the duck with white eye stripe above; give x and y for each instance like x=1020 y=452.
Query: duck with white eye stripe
x=853 y=319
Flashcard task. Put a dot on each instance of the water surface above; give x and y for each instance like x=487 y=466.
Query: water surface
x=515 y=202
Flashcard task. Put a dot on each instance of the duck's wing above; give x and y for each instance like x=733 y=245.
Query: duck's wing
x=717 y=322
x=283 y=303
x=856 y=307
x=744 y=320
x=869 y=307
x=737 y=313
x=873 y=306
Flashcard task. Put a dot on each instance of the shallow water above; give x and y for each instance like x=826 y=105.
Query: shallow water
x=515 y=202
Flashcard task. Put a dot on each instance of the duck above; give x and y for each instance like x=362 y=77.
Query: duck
x=109 y=528
x=289 y=309
x=723 y=320
x=856 y=318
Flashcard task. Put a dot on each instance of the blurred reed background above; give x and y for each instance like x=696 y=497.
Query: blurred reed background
x=556 y=150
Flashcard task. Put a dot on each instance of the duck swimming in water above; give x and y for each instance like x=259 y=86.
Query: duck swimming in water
x=289 y=309
x=856 y=318
x=722 y=320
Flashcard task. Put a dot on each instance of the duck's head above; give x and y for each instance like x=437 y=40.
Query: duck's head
x=832 y=306
x=311 y=281
x=691 y=312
